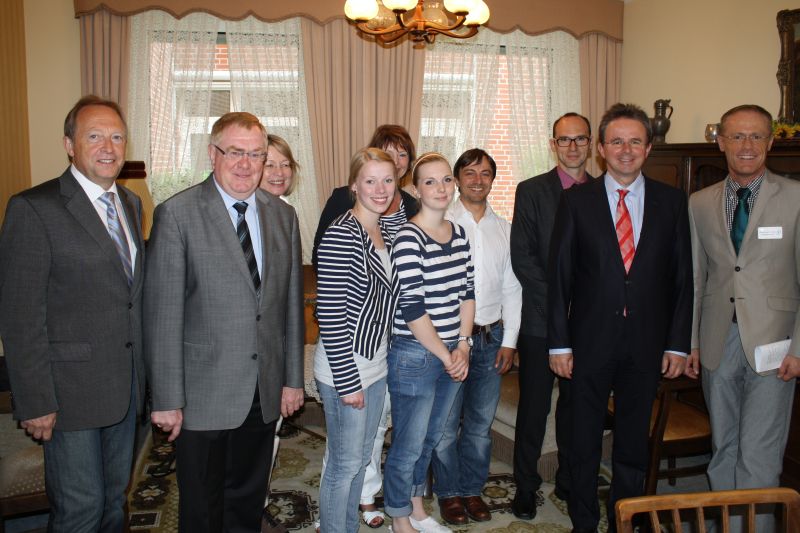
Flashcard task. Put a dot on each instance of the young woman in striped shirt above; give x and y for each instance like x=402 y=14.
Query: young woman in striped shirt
x=429 y=355
x=356 y=299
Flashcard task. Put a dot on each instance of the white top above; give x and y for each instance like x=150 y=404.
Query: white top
x=94 y=192
x=369 y=370
x=498 y=294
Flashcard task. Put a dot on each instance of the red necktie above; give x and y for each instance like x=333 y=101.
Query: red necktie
x=625 y=231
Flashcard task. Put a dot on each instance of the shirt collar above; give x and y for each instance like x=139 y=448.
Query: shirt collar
x=458 y=212
x=754 y=185
x=634 y=189
x=567 y=180
x=92 y=190
x=230 y=200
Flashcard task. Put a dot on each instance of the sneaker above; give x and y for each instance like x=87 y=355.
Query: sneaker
x=429 y=525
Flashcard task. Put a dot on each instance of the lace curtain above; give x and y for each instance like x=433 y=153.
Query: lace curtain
x=187 y=73
x=500 y=92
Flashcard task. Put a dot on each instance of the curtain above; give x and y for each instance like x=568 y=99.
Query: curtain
x=353 y=86
x=104 y=56
x=601 y=71
x=547 y=84
x=267 y=79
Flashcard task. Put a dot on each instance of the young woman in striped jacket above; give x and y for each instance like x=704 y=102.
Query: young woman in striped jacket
x=429 y=355
x=356 y=299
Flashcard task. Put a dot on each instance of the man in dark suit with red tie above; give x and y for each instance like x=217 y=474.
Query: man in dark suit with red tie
x=620 y=306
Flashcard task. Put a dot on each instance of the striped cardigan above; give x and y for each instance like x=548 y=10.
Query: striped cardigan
x=355 y=299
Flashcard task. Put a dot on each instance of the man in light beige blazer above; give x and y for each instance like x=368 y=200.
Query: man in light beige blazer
x=746 y=254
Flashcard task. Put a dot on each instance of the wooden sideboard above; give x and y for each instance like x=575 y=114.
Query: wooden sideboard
x=691 y=167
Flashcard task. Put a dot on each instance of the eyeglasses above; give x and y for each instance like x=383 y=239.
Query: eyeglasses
x=619 y=143
x=740 y=138
x=273 y=166
x=235 y=156
x=580 y=140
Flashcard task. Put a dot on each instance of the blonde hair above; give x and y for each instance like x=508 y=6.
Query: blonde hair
x=427 y=157
x=280 y=144
x=361 y=158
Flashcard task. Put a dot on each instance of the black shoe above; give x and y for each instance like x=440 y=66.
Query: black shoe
x=561 y=493
x=524 y=505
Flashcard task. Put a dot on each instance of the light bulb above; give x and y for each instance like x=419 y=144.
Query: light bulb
x=401 y=5
x=460 y=6
x=360 y=9
x=478 y=16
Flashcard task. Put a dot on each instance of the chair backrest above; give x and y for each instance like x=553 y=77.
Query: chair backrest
x=718 y=502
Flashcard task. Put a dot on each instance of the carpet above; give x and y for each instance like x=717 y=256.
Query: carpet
x=153 y=499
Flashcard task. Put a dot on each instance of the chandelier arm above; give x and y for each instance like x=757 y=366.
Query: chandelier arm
x=471 y=33
x=388 y=39
x=362 y=26
x=442 y=28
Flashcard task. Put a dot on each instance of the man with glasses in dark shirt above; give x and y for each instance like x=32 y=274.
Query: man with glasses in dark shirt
x=534 y=214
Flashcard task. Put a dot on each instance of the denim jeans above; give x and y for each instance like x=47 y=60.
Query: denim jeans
x=422 y=397
x=86 y=474
x=461 y=461
x=351 y=433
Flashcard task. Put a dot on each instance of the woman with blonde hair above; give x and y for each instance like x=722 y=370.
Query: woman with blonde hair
x=281 y=170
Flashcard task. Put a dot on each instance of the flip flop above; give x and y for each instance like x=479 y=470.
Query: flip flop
x=373 y=519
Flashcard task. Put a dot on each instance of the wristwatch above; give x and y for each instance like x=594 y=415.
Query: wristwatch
x=466 y=339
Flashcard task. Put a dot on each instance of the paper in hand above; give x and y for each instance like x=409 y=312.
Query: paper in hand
x=770 y=356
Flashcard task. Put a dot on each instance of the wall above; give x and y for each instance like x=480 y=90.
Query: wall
x=52 y=40
x=707 y=56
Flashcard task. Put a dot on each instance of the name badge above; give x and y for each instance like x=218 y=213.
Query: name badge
x=770 y=232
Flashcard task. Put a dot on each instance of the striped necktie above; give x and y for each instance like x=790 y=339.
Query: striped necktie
x=624 y=228
x=118 y=234
x=243 y=232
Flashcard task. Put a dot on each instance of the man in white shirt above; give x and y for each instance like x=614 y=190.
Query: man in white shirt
x=71 y=258
x=461 y=459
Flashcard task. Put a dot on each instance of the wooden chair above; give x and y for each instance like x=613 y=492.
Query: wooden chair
x=719 y=502
x=21 y=471
x=679 y=427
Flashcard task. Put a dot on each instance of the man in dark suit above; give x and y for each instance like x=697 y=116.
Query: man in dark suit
x=534 y=214
x=224 y=330
x=71 y=270
x=620 y=302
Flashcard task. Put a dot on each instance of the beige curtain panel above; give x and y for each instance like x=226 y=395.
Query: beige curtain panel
x=577 y=17
x=104 y=56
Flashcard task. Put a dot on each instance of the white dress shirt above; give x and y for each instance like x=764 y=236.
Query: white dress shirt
x=498 y=294
x=94 y=192
x=250 y=216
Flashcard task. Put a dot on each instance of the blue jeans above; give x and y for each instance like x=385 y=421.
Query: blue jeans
x=351 y=433
x=461 y=461
x=422 y=397
x=86 y=474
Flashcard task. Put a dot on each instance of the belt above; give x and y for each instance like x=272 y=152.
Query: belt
x=485 y=329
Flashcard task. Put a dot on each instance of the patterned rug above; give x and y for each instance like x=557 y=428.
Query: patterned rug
x=153 y=501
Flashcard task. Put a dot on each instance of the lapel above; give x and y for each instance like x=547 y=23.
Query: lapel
x=720 y=223
x=220 y=220
x=769 y=188
x=132 y=215
x=79 y=206
x=268 y=240
x=603 y=219
x=649 y=218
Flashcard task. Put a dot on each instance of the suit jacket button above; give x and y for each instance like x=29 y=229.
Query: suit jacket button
x=258 y=318
x=737 y=269
x=130 y=305
x=732 y=299
x=254 y=356
x=128 y=344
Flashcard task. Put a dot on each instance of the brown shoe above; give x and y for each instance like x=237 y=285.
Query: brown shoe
x=476 y=509
x=452 y=511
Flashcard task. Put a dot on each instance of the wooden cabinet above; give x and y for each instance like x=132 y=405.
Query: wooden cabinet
x=691 y=167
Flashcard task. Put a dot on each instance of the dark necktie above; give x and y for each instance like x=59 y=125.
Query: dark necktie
x=243 y=232
x=118 y=234
x=740 y=218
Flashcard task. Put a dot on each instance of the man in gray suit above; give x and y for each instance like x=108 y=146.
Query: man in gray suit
x=745 y=248
x=71 y=270
x=224 y=329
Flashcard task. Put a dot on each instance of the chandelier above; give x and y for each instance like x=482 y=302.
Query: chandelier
x=389 y=20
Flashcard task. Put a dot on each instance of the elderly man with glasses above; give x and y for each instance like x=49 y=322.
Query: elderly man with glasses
x=746 y=250
x=534 y=215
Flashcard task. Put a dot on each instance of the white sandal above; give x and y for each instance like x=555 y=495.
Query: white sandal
x=369 y=518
